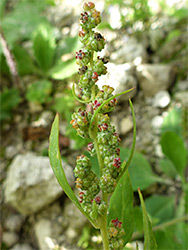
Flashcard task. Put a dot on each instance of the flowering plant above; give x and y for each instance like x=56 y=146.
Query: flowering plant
x=105 y=199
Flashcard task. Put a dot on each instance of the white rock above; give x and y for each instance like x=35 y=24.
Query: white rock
x=158 y=151
x=129 y=51
x=44 y=120
x=22 y=247
x=121 y=78
x=114 y=17
x=11 y=151
x=182 y=85
x=126 y=124
x=10 y=238
x=48 y=226
x=75 y=221
x=43 y=230
x=14 y=222
x=161 y=99
x=154 y=77
x=182 y=97
x=157 y=122
x=31 y=184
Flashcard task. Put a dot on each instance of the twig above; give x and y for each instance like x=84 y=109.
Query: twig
x=138 y=235
x=10 y=59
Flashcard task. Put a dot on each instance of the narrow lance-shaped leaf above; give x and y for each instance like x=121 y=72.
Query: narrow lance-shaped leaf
x=121 y=205
x=149 y=238
x=56 y=163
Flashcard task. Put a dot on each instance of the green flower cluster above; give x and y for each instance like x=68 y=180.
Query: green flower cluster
x=80 y=121
x=108 y=142
x=102 y=96
x=116 y=234
x=92 y=41
x=88 y=184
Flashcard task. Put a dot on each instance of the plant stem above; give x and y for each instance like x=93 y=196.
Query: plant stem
x=103 y=218
x=10 y=60
x=103 y=225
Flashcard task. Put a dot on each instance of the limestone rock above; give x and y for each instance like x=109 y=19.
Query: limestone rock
x=14 y=222
x=126 y=125
x=31 y=184
x=48 y=227
x=161 y=99
x=182 y=97
x=75 y=221
x=10 y=238
x=54 y=227
x=129 y=51
x=153 y=78
x=120 y=77
x=23 y=246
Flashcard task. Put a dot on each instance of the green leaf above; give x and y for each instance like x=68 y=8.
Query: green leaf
x=161 y=207
x=167 y=239
x=173 y=34
x=64 y=104
x=23 y=61
x=68 y=45
x=173 y=147
x=44 y=46
x=2 y=8
x=121 y=205
x=140 y=170
x=172 y=122
x=39 y=91
x=149 y=238
x=9 y=99
x=138 y=219
x=63 y=70
x=168 y=168
x=23 y=20
x=180 y=13
x=56 y=164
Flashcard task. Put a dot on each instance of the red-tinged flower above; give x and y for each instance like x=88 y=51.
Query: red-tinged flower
x=98 y=36
x=88 y=6
x=117 y=162
x=113 y=102
x=82 y=70
x=82 y=33
x=103 y=59
x=117 y=136
x=95 y=76
x=74 y=124
x=81 y=197
x=118 y=151
x=96 y=104
x=97 y=199
x=80 y=54
x=90 y=146
x=84 y=17
x=116 y=223
x=103 y=126
x=80 y=157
